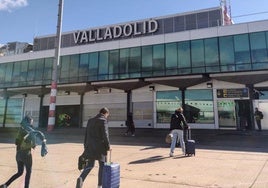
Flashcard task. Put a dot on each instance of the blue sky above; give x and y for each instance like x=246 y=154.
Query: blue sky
x=22 y=20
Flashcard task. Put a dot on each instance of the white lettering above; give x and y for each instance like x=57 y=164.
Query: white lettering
x=98 y=35
x=76 y=37
x=136 y=29
x=117 y=31
x=91 y=37
x=127 y=30
x=153 y=26
x=84 y=37
x=108 y=34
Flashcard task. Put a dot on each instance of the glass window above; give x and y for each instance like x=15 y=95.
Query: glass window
x=202 y=20
x=9 y=72
x=39 y=68
x=64 y=69
x=214 y=18
x=171 y=58
x=168 y=23
x=263 y=95
x=103 y=66
x=14 y=111
x=24 y=72
x=113 y=64
x=147 y=61
x=199 y=106
x=16 y=77
x=166 y=103
x=48 y=70
x=93 y=66
x=31 y=71
x=227 y=57
x=135 y=62
x=242 y=53
x=211 y=55
x=198 y=56
x=74 y=67
x=2 y=72
x=184 y=57
x=2 y=110
x=190 y=21
x=158 y=60
x=124 y=63
x=142 y=111
x=179 y=23
x=259 y=53
x=83 y=67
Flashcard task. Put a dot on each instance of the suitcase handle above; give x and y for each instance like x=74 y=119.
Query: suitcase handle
x=189 y=134
x=110 y=156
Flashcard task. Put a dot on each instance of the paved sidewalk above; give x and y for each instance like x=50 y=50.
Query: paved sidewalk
x=223 y=159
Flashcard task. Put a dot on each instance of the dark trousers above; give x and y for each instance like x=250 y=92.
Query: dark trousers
x=23 y=158
x=258 y=124
x=88 y=168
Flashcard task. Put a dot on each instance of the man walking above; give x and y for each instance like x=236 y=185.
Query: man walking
x=96 y=145
x=258 y=117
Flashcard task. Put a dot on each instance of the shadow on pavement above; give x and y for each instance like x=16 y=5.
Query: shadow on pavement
x=249 y=141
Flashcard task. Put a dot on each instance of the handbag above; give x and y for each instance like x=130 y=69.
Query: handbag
x=168 y=138
x=82 y=161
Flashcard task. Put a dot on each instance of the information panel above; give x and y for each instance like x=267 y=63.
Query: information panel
x=233 y=93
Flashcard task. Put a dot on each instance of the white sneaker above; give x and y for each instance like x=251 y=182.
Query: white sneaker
x=171 y=154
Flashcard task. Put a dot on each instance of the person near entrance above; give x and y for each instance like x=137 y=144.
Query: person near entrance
x=177 y=126
x=258 y=117
x=96 y=145
x=130 y=125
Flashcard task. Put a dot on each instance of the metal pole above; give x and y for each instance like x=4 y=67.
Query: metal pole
x=53 y=92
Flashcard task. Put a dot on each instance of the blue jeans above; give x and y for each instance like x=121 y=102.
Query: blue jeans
x=177 y=135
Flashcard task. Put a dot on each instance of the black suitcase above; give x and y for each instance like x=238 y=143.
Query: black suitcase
x=111 y=175
x=189 y=144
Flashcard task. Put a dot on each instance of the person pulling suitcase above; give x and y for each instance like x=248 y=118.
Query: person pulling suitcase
x=177 y=126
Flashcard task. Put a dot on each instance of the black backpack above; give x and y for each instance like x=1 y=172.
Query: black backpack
x=261 y=115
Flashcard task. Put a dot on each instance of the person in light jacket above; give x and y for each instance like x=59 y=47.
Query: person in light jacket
x=177 y=125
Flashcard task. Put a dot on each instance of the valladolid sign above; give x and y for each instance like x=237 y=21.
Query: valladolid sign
x=115 y=32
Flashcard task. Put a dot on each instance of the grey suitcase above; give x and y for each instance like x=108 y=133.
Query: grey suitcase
x=189 y=144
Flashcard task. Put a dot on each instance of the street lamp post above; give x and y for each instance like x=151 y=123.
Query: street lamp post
x=54 y=81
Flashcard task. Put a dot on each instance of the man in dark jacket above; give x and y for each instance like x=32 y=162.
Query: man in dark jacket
x=177 y=125
x=258 y=117
x=96 y=145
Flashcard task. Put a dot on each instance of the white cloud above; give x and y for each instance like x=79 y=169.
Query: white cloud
x=12 y=4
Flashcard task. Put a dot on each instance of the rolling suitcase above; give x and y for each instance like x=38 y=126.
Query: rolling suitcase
x=111 y=174
x=189 y=144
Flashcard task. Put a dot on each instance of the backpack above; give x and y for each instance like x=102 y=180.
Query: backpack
x=261 y=115
x=24 y=140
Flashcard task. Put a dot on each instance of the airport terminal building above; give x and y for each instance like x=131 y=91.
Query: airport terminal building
x=217 y=72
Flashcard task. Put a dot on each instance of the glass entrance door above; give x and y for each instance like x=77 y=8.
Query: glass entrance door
x=226 y=113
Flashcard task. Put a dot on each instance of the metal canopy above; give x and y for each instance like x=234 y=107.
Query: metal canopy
x=22 y=91
x=242 y=77
x=179 y=81
x=125 y=85
x=131 y=84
